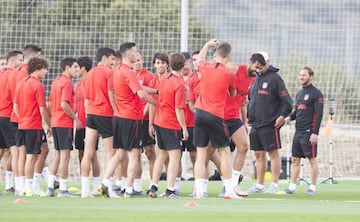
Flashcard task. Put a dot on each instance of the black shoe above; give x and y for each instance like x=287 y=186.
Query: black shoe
x=216 y=176
x=153 y=192
x=56 y=184
x=241 y=177
x=104 y=190
x=171 y=194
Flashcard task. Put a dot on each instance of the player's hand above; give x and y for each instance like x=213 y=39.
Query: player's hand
x=213 y=42
x=185 y=135
x=287 y=120
x=313 y=139
x=49 y=132
x=151 y=131
x=78 y=124
x=279 y=122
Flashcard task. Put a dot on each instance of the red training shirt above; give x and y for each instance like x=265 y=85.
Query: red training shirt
x=144 y=77
x=98 y=83
x=6 y=106
x=215 y=83
x=243 y=83
x=29 y=96
x=128 y=104
x=172 y=96
x=80 y=102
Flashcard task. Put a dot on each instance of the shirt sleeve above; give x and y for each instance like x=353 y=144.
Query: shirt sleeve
x=286 y=101
x=67 y=93
x=180 y=97
x=110 y=81
x=40 y=95
x=318 y=111
x=133 y=82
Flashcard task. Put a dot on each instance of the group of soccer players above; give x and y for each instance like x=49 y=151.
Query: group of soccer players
x=197 y=105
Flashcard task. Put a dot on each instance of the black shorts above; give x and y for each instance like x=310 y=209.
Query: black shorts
x=79 y=139
x=63 y=138
x=7 y=133
x=103 y=124
x=147 y=140
x=265 y=138
x=302 y=147
x=189 y=144
x=168 y=139
x=19 y=139
x=233 y=125
x=127 y=133
x=210 y=127
x=32 y=140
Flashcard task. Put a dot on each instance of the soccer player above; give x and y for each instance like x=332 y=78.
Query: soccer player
x=308 y=114
x=30 y=107
x=7 y=130
x=269 y=104
x=170 y=125
x=30 y=51
x=99 y=105
x=215 y=83
x=144 y=76
x=61 y=102
x=191 y=81
x=127 y=119
x=85 y=64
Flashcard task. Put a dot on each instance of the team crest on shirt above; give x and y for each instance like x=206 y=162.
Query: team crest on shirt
x=264 y=85
x=306 y=97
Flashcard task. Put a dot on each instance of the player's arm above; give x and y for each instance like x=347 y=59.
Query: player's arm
x=67 y=109
x=146 y=96
x=45 y=115
x=16 y=109
x=318 y=111
x=286 y=102
x=111 y=94
x=205 y=48
x=150 y=90
x=151 y=120
x=180 y=116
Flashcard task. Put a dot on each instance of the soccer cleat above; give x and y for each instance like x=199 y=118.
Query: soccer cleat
x=104 y=190
x=288 y=191
x=273 y=189
x=136 y=193
x=56 y=184
x=95 y=193
x=153 y=191
x=231 y=195
x=222 y=192
x=33 y=194
x=11 y=191
x=128 y=195
x=240 y=192
x=171 y=194
x=50 y=192
x=65 y=194
x=255 y=189
x=117 y=190
x=310 y=192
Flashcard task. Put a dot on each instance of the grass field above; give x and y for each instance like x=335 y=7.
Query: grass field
x=333 y=202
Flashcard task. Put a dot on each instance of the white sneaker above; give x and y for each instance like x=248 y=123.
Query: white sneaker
x=255 y=189
x=273 y=189
x=240 y=192
x=231 y=195
x=95 y=193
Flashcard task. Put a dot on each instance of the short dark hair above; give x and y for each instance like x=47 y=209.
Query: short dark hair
x=310 y=71
x=103 y=52
x=161 y=56
x=86 y=62
x=195 y=53
x=35 y=64
x=68 y=61
x=177 y=61
x=118 y=54
x=257 y=57
x=223 y=49
x=186 y=55
x=11 y=54
x=32 y=48
x=126 y=46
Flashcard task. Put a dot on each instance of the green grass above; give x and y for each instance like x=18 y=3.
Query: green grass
x=333 y=202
